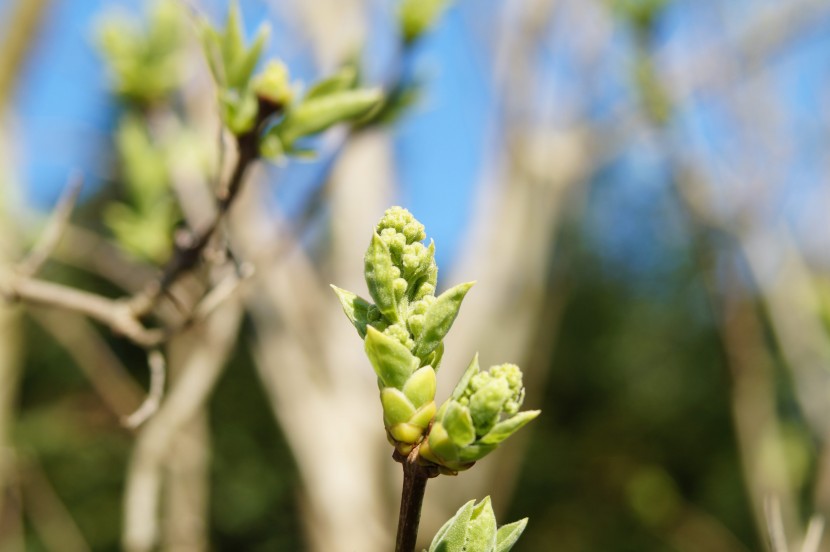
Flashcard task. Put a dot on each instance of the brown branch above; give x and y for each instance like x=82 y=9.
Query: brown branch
x=415 y=477
x=116 y=314
x=189 y=252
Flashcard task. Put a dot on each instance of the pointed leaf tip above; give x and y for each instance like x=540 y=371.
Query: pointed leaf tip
x=439 y=318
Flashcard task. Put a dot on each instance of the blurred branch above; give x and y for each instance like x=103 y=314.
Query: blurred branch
x=303 y=353
x=775 y=524
x=118 y=315
x=12 y=537
x=20 y=30
x=94 y=357
x=89 y=251
x=812 y=538
x=47 y=513
x=54 y=231
x=186 y=524
x=189 y=250
x=158 y=369
x=196 y=358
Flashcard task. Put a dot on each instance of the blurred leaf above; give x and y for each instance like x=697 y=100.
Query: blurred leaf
x=146 y=64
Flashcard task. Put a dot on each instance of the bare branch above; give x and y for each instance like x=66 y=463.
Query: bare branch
x=94 y=357
x=116 y=314
x=815 y=529
x=55 y=228
x=158 y=375
x=775 y=524
x=49 y=516
x=94 y=253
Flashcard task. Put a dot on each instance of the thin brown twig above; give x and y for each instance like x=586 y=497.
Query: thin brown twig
x=158 y=376
x=189 y=253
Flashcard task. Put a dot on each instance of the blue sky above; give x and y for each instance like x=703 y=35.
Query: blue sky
x=65 y=116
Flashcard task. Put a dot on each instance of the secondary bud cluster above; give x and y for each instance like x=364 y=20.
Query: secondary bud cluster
x=482 y=412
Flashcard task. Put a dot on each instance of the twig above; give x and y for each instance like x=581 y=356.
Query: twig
x=116 y=314
x=202 y=355
x=94 y=357
x=188 y=254
x=775 y=524
x=49 y=516
x=158 y=374
x=815 y=529
x=415 y=477
x=55 y=228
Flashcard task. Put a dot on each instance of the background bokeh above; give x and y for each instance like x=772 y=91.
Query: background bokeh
x=639 y=187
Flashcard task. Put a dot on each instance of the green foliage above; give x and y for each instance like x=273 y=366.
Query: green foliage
x=145 y=64
x=473 y=529
x=143 y=225
x=266 y=102
x=232 y=64
x=404 y=328
x=404 y=331
x=418 y=16
x=323 y=107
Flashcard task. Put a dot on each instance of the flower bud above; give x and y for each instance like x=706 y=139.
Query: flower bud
x=481 y=413
x=273 y=86
x=404 y=329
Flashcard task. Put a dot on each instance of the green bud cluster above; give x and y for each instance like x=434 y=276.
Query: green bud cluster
x=404 y=328
x=143 y=223
x=403 y=333
x=145 y=65
x=232 y=64
x=266 y=103
x=473 y=528
x=482 y=412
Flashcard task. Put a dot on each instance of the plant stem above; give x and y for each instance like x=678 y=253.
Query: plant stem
x=415 y=479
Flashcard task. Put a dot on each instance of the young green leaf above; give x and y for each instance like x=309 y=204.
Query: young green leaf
x=344 y=79
x=314 y=115
x=420 y=387
x=439 y=318
x=397 y=408
x=507 y=535
x=473 y=529
x=472 y=369
x=356 y=309
x=481 y=532
x=393 y=363
x=508 y=427
x=452 y=536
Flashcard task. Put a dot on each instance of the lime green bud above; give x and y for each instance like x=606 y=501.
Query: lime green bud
x=397 y=219
x=273 y=85
x=416 y=324
x=398 y=332
x=482 y=412
x=425 y=291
